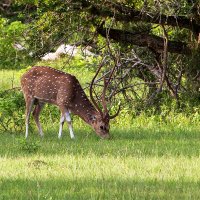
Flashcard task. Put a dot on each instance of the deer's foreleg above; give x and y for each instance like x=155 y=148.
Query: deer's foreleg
x=65 y=116
x=36 y=114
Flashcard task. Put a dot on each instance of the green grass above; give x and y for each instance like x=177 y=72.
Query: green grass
x=138 y=163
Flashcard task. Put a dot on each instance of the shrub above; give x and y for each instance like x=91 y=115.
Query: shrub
x=11 y=110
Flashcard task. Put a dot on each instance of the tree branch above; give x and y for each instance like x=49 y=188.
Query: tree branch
x=127 y=14
x=153 y=42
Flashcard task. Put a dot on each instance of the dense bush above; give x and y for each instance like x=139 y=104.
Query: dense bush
x=11 y=110
x=13 y=53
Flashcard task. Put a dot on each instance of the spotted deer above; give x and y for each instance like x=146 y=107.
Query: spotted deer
x=43 y=84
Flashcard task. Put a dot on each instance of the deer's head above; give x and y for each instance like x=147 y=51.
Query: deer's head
x=100 y=125
x=100 y=121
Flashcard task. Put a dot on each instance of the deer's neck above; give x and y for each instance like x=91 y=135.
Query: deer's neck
x=84 y=109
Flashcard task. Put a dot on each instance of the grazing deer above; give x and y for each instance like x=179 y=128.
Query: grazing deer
x=42 y=85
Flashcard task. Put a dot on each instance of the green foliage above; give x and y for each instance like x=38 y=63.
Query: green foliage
x=11 y=35
x=28 y=146
x=11 y=110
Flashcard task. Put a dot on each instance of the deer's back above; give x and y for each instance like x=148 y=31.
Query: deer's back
x=50 y=85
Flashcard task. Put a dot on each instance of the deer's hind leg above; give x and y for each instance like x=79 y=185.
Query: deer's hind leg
x=62 y=120
x=29 y=106
x=36 y=114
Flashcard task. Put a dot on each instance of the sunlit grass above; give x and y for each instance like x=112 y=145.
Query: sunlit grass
x=9 y=79
x=134 y=164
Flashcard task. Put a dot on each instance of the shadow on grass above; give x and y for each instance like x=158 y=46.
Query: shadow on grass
x=97 y=189
x=134 y=142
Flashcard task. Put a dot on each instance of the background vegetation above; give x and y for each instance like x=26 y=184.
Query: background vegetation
x=154 y=150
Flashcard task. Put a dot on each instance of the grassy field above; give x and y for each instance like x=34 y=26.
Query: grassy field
x=137 y=163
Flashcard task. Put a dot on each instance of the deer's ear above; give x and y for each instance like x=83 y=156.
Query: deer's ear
x=92 y=118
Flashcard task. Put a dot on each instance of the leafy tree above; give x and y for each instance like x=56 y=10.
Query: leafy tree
x=153 y=43
x=12 y=54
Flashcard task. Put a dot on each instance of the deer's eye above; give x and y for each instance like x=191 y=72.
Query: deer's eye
x=101 y=127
